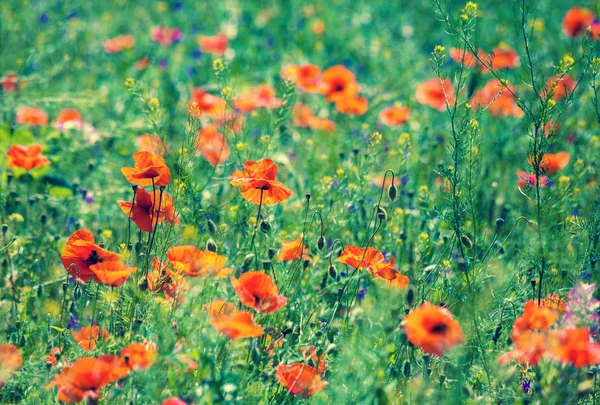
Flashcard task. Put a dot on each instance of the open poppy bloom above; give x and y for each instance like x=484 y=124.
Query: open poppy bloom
x=310 y=352
x=212 y=144
x=529 y=180
x=553 y=162
x=258 y=183
x=80 y=252
x=218 y=307
x=149 y=169
x=236 y=325
x=26 y=157
x=352 y=105
x=162 y=279
x=435 y=93
x=529 y=349
x=88 y=337
x=262 y=96
x=389 y=272
x=165 y=36
x=32 y=116
x=433 y=329
x=10 y=361
x=67 y=115
x=216 y=44
x=503 y=58
x=256 y=290
x=463 y=57
x=54 y=355
x=303 y=116
x=112 y=274
x=498 y=99
x=357 y=257
x=555 y=302
x=560 y=86
x=173 y=401
x=394 y=116
x=145 y=203
x=576 y=21
x=535 y=318
x=139 y=356
x=86 y=377
x=300 y=379
x=573 y=346
x=203 y=102
x=337 y=83
x=194 y=262
x=119 y=43
x=306 y=76
x=10 y=82
x=293 y=250
x=151 y=143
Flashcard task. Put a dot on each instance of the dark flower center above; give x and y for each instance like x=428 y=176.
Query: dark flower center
x=439 y=329
x=93 y=258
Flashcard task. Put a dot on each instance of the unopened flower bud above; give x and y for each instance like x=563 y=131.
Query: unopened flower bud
x=265 y=226
x=320 y=242
x=212 y=228
x=211 y=246
x=392 y=192
x=271 y=253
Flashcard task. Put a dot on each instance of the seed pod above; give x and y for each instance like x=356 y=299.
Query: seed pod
x=332 y=271
x=77 y=293
x=265 y=226
x=4 y=228
x=320 y=242
x=533 y=283
x=271 y=253
x=211 y=246
x=564 y=273
x=381 y=214
x=466 y=241
x=307 y=195
x=212 y=228
x=392 y=192
x=499 y=223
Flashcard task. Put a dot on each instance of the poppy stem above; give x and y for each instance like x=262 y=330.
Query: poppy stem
x=147 y=265
x=257 y=219
x=95 y=306
x=135 y=187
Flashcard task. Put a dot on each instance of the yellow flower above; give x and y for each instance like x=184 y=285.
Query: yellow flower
x=153 y=103
x=240 y=146
x=129 y=82
x=423 y=237
x=106 y=234
x=340 y=172
x=16 y=217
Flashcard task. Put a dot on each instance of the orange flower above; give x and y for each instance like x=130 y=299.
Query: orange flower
x=173 y=401
x=306 y=76
x=203 y=102
x=213 y=145
x=67 y=115
x=352 y=105
x=218 y=307
x=86 y=377
x=10 y=361
x=32 y=116
x=356 y=257
x=262 y=96
x=139 y=356
x=165 y=36
x=498 y=98
x=576 y=21
x=119 y=43
x=142 y=63
x=464 y=57
x=390 y=273
x=256 y=290
x=555 y=302
x=435 y=93
x=303 y=116
x=553 y=162
x=80 y=252
x=167 y=281
x=534 y=318
x=528 y=179
x=259 y=185
x=151 y=143
x=149 y=169
x=193 y=262
x=311 y=353
x=560 y=86
x=394 y=116
x=293 y=250
x=10 y=82
x=338 y=83
x=573 y=346
x=26 y=157
x=144 y=205
x=433 y=329
x=236 y=325
x=503 y=58
x=300 y=379
x=52 y=357
x=529 y=349
x=216 y=44
x=112 y=274
x=321 y=124
x=88 y=336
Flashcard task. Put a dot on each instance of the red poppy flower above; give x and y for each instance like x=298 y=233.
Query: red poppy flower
x=236 y=325
x=576 y=21
x=165 y=36
x=352 y=105
x=529 y=348
x=173 y=401
x=151 y=143
x=433 y=329
x=262 y=96
x=112 y=274
x=389 y=272
x=26 y=157
x=10 y=362
x=574 y=346
x=560 y=86
x=303 y=116
x=338 y=83
x=498 y=99
x=310 y=352
x=67 y=115
x=465 y=57
x=503 y=58
x=216 y=44
x=256 y=290
x=86 y=377
x=32 y=116
x=529 y=180
x=435 y=93
x=218 y=307
x=213 y=145
x=293 y=250
x=194 y=262
x=356 y=257
x=553 y=162
x=145 y=203
x=10 y=82
x=535 y=318
x=119 y=43
x=300 y=379
x=203 y=102
x=87 y=337
x=139 y=356
x=555 y=302
x=80 y=252
x=148 y=168
x=162 y=279
x=52 y=357
x=259 y=185
x=394 y=116
x=306 y=76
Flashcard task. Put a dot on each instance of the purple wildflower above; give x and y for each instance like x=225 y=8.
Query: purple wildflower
x=581 y=307
x=526 y=385
x=73 y=323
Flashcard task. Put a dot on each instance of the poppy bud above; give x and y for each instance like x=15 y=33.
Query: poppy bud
x=466 y=241
x=305 y=264
x=392 y=192
x=72 y=307
x=406 y=369
x=381 y=214
x=320 y=242
x=332 y=271
x=211 y=246
x=9 y=177
x=248 y=260
x=43 y=219
x=138 y=247
x=499 y=223
x=497 y=333
x=410 y=297
x=143 y=285
x=4 y=228
x=101 y=244
x=442 y=379
x=564 y=274
x=271 y=253
x=265 y=227
x=212 y=228
x=65 y=287
x=129 y=246
x=134 y=187
x=307 y=195
x=77 y=293
x=533 y=283
x=266 y=265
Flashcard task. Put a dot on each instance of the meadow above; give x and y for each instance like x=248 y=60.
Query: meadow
x=287 y=201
